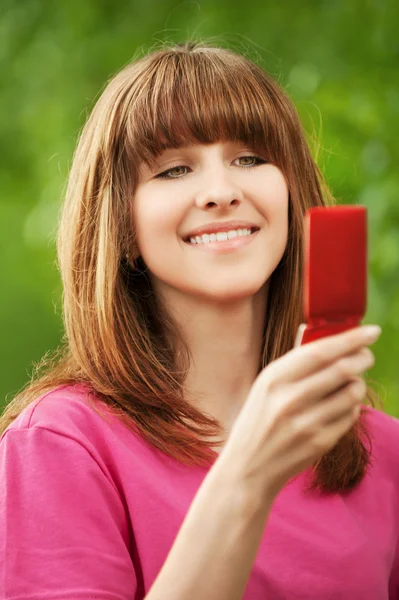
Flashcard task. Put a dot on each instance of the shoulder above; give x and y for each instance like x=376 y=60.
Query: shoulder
x=383 y=433
x=56 y=464
x=74 y=412
x=382 y=424
x=60 y=407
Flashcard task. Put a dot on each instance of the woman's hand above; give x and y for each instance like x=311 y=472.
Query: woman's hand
x=298 y=408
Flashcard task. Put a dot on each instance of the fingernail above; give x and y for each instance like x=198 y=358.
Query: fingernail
x=372 y=331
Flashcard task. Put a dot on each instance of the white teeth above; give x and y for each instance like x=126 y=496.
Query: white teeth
x=221 y=236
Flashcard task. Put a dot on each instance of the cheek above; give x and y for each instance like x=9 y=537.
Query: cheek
x=273 y=202
x=155 y=217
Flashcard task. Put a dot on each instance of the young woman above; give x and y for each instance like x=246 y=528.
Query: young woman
x=181 y=446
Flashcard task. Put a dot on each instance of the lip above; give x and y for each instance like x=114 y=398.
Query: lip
x=215 y=226
x=227 y=245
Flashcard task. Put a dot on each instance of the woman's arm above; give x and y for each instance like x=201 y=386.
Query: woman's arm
x=214 y=551
x=299 y=406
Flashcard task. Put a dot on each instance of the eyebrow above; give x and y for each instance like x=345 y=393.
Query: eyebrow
x=164 y=154
x=155 y=163
x=192 y=145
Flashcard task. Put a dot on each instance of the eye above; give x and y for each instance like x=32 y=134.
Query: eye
x=250 y=161
x=173 y=173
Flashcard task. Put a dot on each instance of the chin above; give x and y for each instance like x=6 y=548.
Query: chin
x=229 y=293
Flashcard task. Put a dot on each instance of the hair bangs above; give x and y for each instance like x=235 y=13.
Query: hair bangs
x=201 y=97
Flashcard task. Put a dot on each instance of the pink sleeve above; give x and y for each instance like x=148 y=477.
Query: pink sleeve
x=63 y=529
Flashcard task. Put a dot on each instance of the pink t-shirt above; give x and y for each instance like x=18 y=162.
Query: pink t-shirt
x=89 y=511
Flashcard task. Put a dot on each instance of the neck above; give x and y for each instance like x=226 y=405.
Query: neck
x=225 y=343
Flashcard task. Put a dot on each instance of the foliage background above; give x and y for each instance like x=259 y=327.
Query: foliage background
x=338 y=60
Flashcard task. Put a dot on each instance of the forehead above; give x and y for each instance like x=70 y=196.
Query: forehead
x=198 y=146
x=204 y=103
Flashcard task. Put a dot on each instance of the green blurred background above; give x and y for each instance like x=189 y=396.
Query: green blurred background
x=338 y=60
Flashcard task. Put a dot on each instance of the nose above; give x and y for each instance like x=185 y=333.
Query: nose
x=219 y=191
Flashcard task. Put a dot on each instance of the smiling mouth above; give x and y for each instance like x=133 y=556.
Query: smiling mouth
x=220 y=236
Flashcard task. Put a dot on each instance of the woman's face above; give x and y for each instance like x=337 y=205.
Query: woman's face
x=213 y=190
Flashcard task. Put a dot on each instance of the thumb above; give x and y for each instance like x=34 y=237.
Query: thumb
x=299 y=335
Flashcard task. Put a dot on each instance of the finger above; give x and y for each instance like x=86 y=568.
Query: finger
x=325 y=423
x=339 y=413
x=329 y=380
x=310 y=358
x=334 y=405
x=315 y=390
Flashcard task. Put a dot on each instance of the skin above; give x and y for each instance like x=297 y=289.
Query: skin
x=219 y=300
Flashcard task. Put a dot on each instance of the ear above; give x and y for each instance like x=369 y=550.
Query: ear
x=131 y=260
x=133 y=253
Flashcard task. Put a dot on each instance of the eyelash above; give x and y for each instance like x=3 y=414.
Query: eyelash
x=164 y=174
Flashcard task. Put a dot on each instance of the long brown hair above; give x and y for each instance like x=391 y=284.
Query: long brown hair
x=119 y=340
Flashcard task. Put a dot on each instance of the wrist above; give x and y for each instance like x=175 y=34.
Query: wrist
x=254 y=495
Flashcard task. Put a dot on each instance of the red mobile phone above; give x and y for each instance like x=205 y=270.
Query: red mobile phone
x=335 y=270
